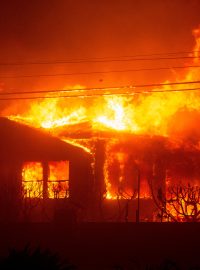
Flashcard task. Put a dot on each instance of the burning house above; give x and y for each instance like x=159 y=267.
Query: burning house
x=43 y=177
x=120 y=154
x=40 y=175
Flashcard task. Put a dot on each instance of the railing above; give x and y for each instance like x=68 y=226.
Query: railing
x=58 y=189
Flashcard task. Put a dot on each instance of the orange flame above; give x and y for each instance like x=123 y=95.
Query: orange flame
x=32 y=176
x=57 y=182
x=58 y=185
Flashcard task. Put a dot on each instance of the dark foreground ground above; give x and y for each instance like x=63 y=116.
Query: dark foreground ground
x=108 y=245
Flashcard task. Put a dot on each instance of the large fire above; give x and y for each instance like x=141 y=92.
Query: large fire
x=117 y=119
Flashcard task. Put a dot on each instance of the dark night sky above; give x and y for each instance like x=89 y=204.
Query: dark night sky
x=66 y=29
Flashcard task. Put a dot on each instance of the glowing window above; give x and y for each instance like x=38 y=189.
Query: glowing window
x=58 y=179
x=32 y=180
x=35 y=184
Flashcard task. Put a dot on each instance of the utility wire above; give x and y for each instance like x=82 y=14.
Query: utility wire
x=101 y=88
x=104 y=94
x=96 y=72
x=117 y=57
x=140 y=55
x=95 y=61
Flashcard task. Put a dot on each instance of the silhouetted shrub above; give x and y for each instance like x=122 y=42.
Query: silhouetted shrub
x=33 y=260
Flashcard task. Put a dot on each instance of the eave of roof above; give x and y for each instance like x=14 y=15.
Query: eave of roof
x=21 y=142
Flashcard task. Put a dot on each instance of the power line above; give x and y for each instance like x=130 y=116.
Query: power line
x=97 y=72
x=95 y=61
x=111 y=57
x=100 y=88
x=142 y=55
x=105 y=94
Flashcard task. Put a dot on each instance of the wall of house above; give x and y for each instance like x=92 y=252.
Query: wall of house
x=14 y=207
x=10 y=196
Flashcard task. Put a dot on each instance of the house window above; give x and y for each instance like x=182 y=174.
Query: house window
x=32 y=179
x=58 y=179
x=41 y=180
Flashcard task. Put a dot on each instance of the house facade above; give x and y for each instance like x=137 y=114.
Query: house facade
x=41 y=176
